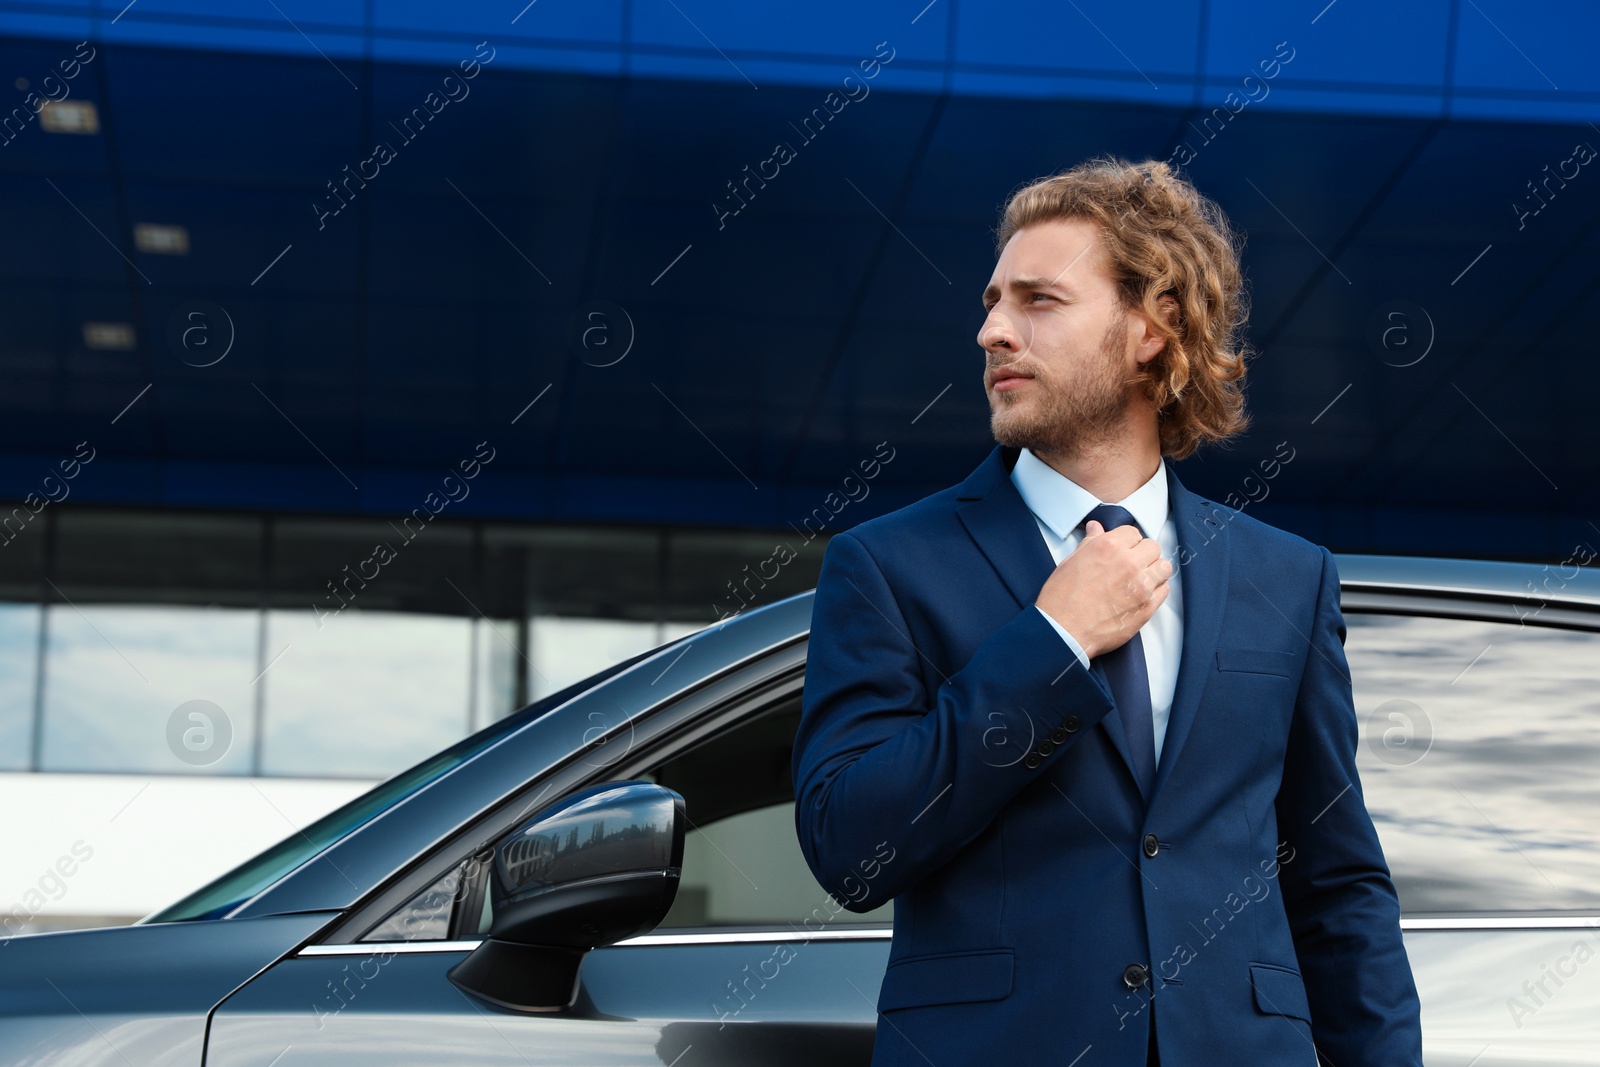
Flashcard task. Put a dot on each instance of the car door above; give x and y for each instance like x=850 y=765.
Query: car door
x=1480 y=764
x=755 y=963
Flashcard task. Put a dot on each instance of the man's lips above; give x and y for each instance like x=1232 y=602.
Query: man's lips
x=1006 y=380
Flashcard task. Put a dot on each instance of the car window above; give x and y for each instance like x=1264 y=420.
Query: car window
x=742 y=864
x=1479 y=748
x=425 y=917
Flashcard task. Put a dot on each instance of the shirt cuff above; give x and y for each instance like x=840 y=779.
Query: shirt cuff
x=1068 y=638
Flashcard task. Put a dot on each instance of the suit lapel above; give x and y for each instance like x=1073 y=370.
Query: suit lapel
x=1008 y=535
x=1204 y=548
x=1004 y=528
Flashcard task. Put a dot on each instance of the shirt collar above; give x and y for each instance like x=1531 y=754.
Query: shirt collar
x=1063 y=505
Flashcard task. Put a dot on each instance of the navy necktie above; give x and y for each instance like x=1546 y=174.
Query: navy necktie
x=1129 y=677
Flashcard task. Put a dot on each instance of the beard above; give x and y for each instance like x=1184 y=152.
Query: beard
x=1052 y=419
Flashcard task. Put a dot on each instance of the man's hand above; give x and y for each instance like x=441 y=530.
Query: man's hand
x=1108 y=588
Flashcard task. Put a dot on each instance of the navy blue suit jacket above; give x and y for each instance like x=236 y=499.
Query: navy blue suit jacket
x=954 y=755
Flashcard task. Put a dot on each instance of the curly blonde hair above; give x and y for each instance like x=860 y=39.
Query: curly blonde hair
x=1164 y=239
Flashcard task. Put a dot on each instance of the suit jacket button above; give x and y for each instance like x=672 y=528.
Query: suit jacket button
x=1032 y=761
x=1152 y=845
x=1071 y=725
x=1134 y=975
x=1046 y=747
x=1059 y=735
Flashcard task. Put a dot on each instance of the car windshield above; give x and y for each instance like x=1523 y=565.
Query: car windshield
x=221 y=896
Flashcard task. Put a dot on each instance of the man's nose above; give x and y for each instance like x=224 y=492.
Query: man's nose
x=997 y=334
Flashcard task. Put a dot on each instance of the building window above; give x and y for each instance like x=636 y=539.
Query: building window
x=365 y=695
x=19 y=658
x=116 y=674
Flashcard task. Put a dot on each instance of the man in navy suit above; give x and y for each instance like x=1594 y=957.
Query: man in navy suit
x=1092 y=732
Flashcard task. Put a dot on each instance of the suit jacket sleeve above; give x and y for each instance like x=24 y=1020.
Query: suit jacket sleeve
x=1341 y=903
x=893 y=778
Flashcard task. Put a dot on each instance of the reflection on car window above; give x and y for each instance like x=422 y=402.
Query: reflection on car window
x=742 y=863
x=425 y=917
x=1479 y=743
x=747 y=869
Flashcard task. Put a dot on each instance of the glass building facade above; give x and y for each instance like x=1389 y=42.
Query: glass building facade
x=328 y=647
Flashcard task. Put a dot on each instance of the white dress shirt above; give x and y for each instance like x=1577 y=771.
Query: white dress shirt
x=1061 y=507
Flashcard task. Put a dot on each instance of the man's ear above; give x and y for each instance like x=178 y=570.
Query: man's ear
x=1151 y=343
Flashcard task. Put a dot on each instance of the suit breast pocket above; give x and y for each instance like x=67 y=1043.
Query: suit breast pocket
x=1255 y=661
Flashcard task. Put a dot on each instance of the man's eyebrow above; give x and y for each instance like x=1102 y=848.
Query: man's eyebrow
x=1035 y=284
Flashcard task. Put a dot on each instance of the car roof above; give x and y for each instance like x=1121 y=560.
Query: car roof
x=1563 y=582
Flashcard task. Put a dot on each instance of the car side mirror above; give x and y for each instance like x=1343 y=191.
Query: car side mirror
x=600 y=866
